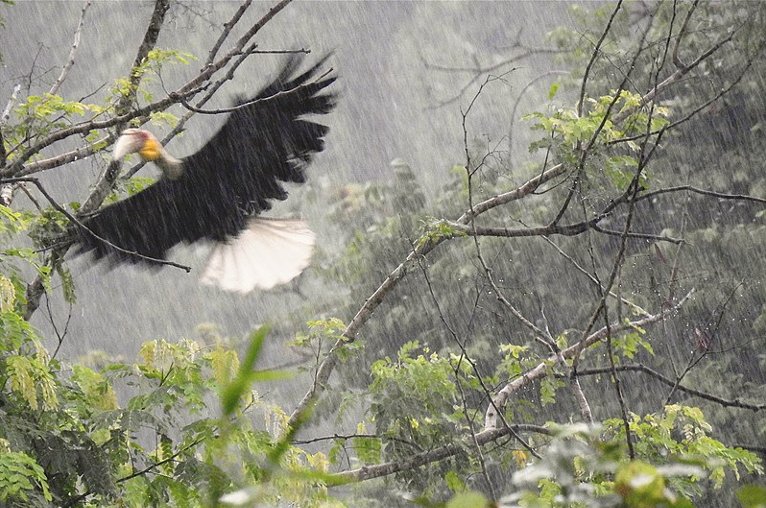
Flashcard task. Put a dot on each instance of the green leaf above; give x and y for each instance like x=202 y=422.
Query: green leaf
x=469 y=499
x=67 y=284
x=552 y=90
x=234 y=391
x=454 y=482
x=752 y=496
x=368 y=449
x=20 y=473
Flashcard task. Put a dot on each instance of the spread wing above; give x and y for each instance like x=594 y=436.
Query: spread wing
x=233 y=177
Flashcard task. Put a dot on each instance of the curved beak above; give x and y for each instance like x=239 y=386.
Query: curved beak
x=130 y=141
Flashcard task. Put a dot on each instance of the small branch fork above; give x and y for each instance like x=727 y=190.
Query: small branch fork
x=676 y=385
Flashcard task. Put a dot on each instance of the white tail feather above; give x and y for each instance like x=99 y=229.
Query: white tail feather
x=267 y=253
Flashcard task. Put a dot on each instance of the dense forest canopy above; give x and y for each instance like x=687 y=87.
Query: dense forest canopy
x=571 y=312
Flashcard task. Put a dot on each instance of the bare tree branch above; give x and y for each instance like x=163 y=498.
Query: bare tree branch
x=376 y=298
x=108 y=178
x=594 y=55
x=638 y=309
x=6 y=191
x=676 y=76
x=678 y=386
x=704 y=192
x=67 y=157
x=227 y=28
x=542 y=369
x=72 y=52
x=9 y=105
x=435 y=455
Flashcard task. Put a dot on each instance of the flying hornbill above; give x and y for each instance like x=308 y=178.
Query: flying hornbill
x=217 y=193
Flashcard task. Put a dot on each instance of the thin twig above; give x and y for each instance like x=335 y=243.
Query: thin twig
x=9 y=105
x=594 y=55
x=704 y=192
x=74 y=220
x=542 y=369
x=227 y=28
x=435 y=455
x=637 y=308
x=669 y=382
x=253 y=102
x=72 y=52
x=387 y=286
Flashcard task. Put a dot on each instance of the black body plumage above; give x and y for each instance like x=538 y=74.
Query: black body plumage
x=232 y=178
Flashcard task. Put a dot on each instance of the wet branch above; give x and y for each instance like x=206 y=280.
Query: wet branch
x=72 y=52
x=639 y=367
x=676 y=76
x=376 y=298
x=636 y=308
x=109 y=177
x=186 y=91
x=543 y=368
x=551 y=230
x=6 y=191
x=435 y=455
x=227 y=28
x=594 y=55
x=586 y=150
x=74 y=220
x=704 y=192
x=66 y=157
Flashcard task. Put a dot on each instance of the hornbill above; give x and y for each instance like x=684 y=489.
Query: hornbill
x=217 y=193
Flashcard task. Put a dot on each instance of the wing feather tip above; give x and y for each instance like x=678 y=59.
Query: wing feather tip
x=270 y=252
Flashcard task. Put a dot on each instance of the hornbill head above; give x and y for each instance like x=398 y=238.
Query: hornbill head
x=149 y=148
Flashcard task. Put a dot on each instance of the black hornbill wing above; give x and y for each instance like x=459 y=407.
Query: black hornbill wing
x=231 y=178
